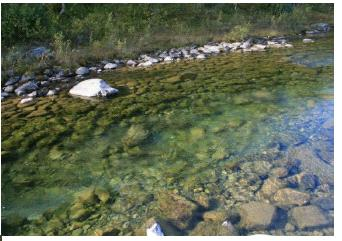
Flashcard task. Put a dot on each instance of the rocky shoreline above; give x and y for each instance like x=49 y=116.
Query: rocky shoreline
x=51 y=81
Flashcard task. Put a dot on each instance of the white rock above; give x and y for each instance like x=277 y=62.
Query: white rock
x=51 y=92
x=258 y=47
x=145 y=64
x=154 y=230
x=194 y=52
x=200 y=56
x=288 y=45
x=110 y=66
x=92 y=87
x=82 y=71
x=32 y=94
x=26 y=100
x=131 y=63
x=168 y=59
x=308 y=40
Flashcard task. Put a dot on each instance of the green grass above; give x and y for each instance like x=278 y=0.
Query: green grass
x=91 y=32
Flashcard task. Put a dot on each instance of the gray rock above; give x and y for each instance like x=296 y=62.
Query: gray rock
x=4 y=95
x=288 y=197
x=12 y=81
x=247 y=44
x=82 y=71
x=271 y=186
x=23 y=89
x=308 y=217
x=321 y=27
x=26 y=77
x=168 y=59
x=145 y=64
x=92 y=88
x=9 y=88
x=257 y=215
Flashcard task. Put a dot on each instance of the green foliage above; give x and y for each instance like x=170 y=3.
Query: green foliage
x=97 y=31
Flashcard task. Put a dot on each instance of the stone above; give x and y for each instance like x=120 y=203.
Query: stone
x=51 y=93
x=86 y=196
x=200 y=56
x=271 y=186
x=321 y=27
x=257 y=215
x=325 y=203
x=154 y=230
x=82 y=71
x=92 y=88
x=279 y=172
x=79 y=214
x=135 y=135
x=102 y=195
x=288 y=196
x=209 y=228
x=247 y=44
x=308 y=40
x=131 y=63
x=9 y=89
x=110 y=66
x=258 y=47
x=307 y=181
x=26 y=100
x=311 y=163
x=168 y=59
x=175 y=208
x=23 y=89
x=215 y=215
x=145 y=64
x=307 y=217
x=261 y=168
x=32 y=94
x=12 y=81
x=26 y=77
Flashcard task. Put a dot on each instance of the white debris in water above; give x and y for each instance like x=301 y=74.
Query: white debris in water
x=154 y=230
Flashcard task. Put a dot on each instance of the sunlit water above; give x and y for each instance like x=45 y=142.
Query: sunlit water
x=193 y=119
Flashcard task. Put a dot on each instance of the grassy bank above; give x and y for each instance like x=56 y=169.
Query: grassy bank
x=83 y=33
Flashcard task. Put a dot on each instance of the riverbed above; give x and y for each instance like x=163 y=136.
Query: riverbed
x=179 y=141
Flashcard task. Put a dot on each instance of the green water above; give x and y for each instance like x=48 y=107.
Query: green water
x=173 y=128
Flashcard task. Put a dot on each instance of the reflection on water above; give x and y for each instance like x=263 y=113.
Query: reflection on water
x=191 y=144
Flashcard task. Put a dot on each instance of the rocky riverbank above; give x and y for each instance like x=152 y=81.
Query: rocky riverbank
x=53 y=80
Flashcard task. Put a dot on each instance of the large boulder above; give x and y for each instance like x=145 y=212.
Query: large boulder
x=307 y=217
x=92 y=88
x=27 y=87
x=257 y=215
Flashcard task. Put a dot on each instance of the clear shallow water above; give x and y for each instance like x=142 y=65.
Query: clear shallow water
x=186 y=129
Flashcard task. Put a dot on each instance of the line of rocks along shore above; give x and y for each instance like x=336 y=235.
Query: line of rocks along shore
x=52 y=81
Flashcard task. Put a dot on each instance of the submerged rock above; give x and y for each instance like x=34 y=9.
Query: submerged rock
x=257 y=215
x=210 y=228
x=271 y=186
x=92 y=88
x=288 y=196
x=308 y=217
x=136 y=135
x=176 y=208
